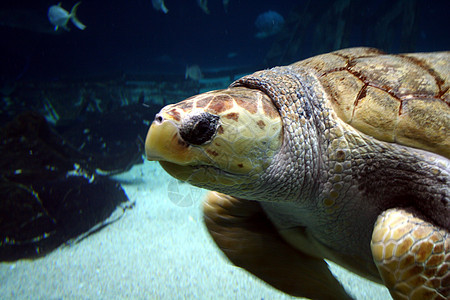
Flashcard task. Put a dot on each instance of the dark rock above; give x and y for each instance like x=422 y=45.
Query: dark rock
x=50 y=192
x=114 y=138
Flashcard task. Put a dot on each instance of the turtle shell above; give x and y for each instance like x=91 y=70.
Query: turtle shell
x=402 y=98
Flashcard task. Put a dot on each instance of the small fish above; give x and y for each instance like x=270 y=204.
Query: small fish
x=58 y=16
x=193 y=72
x=203 y=5
x=159 y=5
x=269 y=24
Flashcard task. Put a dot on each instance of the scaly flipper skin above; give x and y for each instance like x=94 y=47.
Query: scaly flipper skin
x=244 y=233
x=412 y=256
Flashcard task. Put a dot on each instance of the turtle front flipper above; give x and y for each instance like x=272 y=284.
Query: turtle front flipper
x=412 y=256
x=244 y=233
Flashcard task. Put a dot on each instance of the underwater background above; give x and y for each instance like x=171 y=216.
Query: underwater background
x=82 y=215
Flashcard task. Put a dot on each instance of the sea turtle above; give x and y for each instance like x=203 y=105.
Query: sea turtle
x=342 y=156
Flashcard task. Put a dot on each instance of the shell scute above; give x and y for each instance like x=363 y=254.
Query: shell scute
x=377 y=112
x=396 y=75
x=324 y=63
x=394 y=98
x=424 y=123
x=343 y=87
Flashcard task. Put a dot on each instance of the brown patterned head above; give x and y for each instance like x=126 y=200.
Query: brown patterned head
x=218 y=138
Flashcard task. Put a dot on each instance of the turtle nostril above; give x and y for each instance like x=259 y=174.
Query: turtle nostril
x=158 y=118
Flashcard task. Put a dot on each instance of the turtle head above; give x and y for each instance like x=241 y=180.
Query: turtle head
x=219 y=140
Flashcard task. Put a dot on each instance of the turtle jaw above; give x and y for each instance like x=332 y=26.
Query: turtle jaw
x=178 y=171
x=201 y=175
x=164 y=144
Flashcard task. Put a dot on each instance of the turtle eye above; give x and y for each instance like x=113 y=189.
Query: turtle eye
x=199 y=129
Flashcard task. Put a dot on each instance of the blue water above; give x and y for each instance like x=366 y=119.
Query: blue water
x=132 y=54
x=131 y=36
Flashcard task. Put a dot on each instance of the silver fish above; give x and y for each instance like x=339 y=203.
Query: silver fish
x=269 y=24
x=159 y=5
x=59 y=17
x=203 y=5
x=193 y=72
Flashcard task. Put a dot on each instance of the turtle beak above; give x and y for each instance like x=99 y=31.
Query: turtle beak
x=163 y=142
x=156 y=141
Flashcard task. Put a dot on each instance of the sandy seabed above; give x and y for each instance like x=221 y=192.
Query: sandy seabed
x=160 y=249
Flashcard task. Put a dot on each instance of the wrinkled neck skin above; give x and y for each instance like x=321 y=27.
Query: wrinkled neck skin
x=294 y=175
